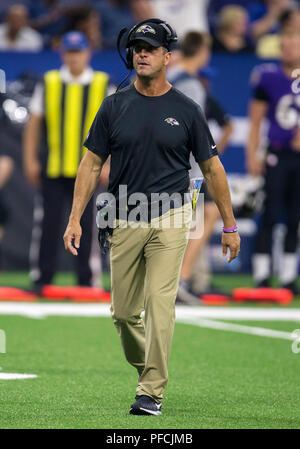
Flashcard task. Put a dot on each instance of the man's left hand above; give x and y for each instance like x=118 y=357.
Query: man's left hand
x=233 y=242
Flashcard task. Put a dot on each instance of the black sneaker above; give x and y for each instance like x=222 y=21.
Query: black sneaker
x=145 y=405
x=36 y=289
x=263 y=284
x=293 y=287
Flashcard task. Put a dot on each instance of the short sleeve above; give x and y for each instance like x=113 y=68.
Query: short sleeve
x=36 y=104
x=202 y=143
x=98 y=136
x=258 y=84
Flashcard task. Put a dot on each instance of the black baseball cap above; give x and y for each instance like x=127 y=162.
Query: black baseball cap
x=152 y=33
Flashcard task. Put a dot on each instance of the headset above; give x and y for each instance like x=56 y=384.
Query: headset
x=171 y=39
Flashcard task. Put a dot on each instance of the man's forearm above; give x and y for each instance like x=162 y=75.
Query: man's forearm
x=31 y=137
x=253 y=140
x=218 y=187
x=257 y=112
x=265 y=24
x=86 y=182
x=225 y=137
x=6 y=168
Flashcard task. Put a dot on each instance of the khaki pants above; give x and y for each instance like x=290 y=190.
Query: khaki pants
x=145 y=268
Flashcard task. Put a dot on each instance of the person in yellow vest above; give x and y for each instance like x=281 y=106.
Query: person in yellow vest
x=62 y=110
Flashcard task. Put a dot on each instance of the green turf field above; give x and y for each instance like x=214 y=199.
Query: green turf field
x=217 y=378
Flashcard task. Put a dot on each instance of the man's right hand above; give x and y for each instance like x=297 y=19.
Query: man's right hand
x=73 y=232
x=32 y=169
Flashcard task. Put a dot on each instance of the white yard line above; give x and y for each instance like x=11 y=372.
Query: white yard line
x=14 y=376
x=198 y=316
x=239 y=313
x=260 y=331
x=42 y=310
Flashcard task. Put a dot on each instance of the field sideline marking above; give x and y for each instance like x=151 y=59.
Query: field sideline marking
x=198 y=316
x=14 y=376
x=260 y=331
x=42 y=310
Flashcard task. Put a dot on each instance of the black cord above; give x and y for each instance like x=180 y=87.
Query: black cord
x=124 y=80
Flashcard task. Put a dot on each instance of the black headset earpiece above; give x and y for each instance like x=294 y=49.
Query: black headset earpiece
x=121 y=34
x=171 y=39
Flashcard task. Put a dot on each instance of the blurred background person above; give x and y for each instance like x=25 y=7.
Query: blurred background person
x=183 y=16
x=195 y=54
x=275 y=99
x=264 y=21
x=213 y=110
x=61 y=112
x=6 y=169
x=53 y=17
x=215 y=6
x=47 y=17
x=118 y=14
x=265 y=16
x=268 y=46
x=15 y=34
x=195 y=51
x=290 y=20
x=87 y=20
x=230 y=34
x=198 y=269
x=6 y=4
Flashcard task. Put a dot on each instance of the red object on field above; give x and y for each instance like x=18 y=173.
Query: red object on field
x=77 y=294
x=214 y=300
x=88 y=294
x=16 y=294
x=56 y=293
x=267 y=294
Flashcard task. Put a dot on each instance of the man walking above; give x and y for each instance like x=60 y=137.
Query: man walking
x=149 y=129
x=61 y=111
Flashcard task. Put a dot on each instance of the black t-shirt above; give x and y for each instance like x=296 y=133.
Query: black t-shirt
x=150 y=140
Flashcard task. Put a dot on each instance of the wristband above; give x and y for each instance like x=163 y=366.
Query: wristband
x=229 y=230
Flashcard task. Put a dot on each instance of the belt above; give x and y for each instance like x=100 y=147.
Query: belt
x=146 y=214
x=150 y=210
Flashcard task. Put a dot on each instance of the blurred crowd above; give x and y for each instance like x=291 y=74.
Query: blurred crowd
x=235 y=25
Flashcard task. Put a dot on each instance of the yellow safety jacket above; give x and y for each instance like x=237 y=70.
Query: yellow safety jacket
x=69 y=112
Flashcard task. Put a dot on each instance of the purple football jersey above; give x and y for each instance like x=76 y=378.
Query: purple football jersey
x=272 y=85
